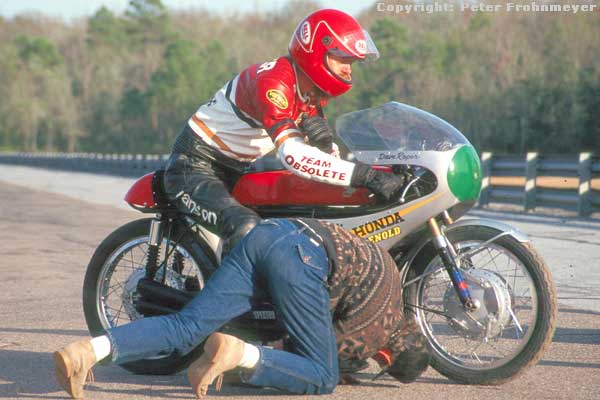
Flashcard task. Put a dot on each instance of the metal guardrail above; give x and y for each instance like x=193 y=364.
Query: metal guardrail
x=129 y=165
x=523 y=189
x=582 y=168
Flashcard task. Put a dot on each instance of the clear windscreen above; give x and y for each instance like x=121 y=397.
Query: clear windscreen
x=396 y=127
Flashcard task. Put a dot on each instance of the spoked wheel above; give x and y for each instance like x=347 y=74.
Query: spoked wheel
x=110 y=286
x=514 y=323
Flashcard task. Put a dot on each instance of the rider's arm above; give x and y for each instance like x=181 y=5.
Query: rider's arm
x=310 y=162
x=275 y=101
x=276 y=105
x=335 y=150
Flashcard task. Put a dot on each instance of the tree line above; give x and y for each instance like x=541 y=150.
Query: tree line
x=127 y=83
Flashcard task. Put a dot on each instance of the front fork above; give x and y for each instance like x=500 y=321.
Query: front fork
x=154 y=240
x=448 y=256
x=161 y=227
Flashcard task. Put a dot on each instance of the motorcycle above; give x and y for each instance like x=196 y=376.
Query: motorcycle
x=479 y=291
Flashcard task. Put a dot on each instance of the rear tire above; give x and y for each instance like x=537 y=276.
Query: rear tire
x=539 y=339
x=95 y=310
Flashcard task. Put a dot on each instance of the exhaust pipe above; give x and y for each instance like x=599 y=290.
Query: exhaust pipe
x=162 y=296
x=152 y=310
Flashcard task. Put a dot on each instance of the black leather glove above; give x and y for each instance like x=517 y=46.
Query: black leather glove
x=318 y=131
x=381 y=183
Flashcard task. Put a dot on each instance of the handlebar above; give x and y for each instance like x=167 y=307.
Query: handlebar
x=416 y=174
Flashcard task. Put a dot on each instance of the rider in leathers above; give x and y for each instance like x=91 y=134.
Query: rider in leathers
x=273 y=105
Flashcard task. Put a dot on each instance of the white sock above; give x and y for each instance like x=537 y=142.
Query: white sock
x=250 y=357
x=101 y=346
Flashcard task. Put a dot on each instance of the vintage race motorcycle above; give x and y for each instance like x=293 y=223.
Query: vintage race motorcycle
x=479 y=291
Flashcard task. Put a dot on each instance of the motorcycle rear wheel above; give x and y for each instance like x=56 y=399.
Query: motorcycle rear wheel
x=517 y=334
x=111 y=281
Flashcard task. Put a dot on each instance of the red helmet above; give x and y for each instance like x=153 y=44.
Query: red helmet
x=329 y=32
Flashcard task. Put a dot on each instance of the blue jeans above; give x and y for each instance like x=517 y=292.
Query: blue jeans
x=275 y=255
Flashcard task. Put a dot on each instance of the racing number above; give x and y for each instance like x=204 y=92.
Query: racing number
x=266 y=66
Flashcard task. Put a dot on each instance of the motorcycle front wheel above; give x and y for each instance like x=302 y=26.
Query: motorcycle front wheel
x=514 y=323
x=110 y=285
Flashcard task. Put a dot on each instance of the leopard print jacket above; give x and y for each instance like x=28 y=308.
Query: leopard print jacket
x=365 y=293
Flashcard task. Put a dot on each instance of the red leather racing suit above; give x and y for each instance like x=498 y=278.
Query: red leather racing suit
x=256 y=112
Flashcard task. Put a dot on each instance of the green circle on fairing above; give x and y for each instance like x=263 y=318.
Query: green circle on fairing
x=464 y=174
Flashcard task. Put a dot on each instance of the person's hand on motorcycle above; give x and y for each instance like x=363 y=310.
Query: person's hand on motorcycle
x=319 y=133
x=381 y=183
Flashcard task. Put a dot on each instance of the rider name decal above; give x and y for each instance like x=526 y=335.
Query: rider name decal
x=278 y=98
x=315 y=167
x=207 y=216
x=381 y=223
x=398 y=156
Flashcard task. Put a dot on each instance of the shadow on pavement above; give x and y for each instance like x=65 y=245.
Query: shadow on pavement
x=578 y=311
x=27 y=372
x=66 y=332
x=438 y=381
x=551 y=363
x=148 y=391
x=30 y=373
x=576 y=335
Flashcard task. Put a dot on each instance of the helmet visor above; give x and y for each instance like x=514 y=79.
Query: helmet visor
x=357 y=45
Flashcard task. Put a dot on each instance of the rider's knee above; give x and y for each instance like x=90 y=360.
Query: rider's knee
x=329 y=381
x=237 y=222
x=246 y=225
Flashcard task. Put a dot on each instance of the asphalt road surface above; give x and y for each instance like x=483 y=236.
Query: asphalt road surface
x=52 y=222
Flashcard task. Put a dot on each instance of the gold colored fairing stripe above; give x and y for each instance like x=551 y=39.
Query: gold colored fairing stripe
x=418 y=205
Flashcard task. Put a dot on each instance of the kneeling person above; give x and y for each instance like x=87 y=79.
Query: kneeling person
x=336 y=294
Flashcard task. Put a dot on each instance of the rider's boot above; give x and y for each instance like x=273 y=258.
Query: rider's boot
x=73 y=366
x=221 y=353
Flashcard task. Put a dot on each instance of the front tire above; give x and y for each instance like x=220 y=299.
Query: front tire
x=110 y=286
x=512 y=330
